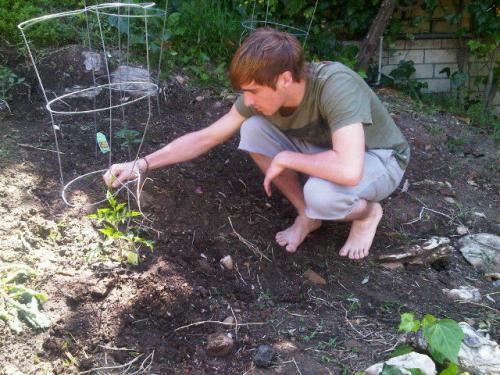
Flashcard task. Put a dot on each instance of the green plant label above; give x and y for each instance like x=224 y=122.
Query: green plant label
x=103 y=143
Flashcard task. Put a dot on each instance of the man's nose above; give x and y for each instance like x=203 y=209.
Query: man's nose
x=247 y=100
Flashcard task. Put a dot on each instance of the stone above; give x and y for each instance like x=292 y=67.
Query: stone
x=478 y=354
x=92 y=61
x=407 y=361
x=462 y=229
x=314 y=277
x=286 y=347
x=482 y=250
x=264 y=356
x=229 y=321
x=219 y=345
x=227 y=262
x=464 y=293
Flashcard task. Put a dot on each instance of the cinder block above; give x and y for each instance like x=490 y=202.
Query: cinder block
x=423 y=71
x=436 y=85
x=441 y=56
x=496 y=99
x=496 y=110
x=442 y=27
x=476 y=84
x=417 y=56
x=439 y=67
x=423 y=44
x=449 y=43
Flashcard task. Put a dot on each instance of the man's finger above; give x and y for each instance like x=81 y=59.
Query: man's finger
x=267 y=187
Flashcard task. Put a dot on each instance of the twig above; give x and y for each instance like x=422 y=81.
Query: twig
x=480 y=304
x=215 y=322
x=39 y=148
x=247 y=243
x=113 y=367
x=235 y=322
x=113 y=348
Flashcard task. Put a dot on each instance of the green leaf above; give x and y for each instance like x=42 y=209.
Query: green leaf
x=416 y=371
x=132 y=258
x=452 y=369
x=34 y=317
x=111 y=199
x=391 y=370
x=108 y=231
x=428 y=319
x=408 y=324
x=401 y=350
x=444 y=338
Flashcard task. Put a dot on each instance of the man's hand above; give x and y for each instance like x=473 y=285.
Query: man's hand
x=117 y=174
x=274 y=170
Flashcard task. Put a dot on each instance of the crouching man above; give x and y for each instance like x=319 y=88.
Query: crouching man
x=320 y=120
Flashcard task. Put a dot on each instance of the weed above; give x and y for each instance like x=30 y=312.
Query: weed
x=332 y=343
x=18 y=302
x=8 y=80
x=435 y=130
x=400 y=79
x=128 y=137
x=390 y=306
x=265 y=298
x=114 y=218
x=455 y=145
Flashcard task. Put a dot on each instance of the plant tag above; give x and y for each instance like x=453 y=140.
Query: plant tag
x=103 y=143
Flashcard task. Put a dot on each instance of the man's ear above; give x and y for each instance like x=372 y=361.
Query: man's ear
x=285 y=79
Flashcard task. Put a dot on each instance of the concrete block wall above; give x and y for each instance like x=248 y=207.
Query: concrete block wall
x=430 y=57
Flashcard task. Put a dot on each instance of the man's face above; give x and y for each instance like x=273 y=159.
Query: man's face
x=263 y=99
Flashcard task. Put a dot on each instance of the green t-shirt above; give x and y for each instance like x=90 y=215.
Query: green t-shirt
x=335 y=97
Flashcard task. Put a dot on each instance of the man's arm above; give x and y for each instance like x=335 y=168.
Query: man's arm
x=184 y=148
x=343 y=164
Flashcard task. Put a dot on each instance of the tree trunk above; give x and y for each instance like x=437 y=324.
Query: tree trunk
x=377 y=28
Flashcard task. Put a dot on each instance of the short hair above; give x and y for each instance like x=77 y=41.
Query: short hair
x=263 y=56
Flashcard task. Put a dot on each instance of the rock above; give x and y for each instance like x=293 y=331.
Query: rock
x=314 y=277
x=482 y=250
x=92 y=61
x=180 y=79
x=462 y=229
x=199 y=98
x=229 y=321
x=124 y=75
x=478 y=354
x=264 y=356
x=227 y=262
x=11 y=370
x=465 y=293
x=219 y=345
x=407 y=361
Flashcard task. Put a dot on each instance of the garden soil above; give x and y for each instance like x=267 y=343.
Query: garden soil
x=116 y=317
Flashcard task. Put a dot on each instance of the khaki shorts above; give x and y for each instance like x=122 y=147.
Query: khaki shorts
x=324 y=199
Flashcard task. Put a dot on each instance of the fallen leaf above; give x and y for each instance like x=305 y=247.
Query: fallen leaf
x=314 y=277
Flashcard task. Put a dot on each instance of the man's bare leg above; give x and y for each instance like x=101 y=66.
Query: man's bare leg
x=365 y=218
x=288 y=183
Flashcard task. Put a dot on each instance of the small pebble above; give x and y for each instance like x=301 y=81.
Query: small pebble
x=264 y=356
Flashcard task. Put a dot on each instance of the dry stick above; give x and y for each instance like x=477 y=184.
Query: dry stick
x=480 y=304
x=39 y=148
x=247 y=243
x=216 y=322
x=235 y=322
x=112 y=367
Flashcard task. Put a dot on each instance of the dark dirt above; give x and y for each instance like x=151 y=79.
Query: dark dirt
x=99 y=305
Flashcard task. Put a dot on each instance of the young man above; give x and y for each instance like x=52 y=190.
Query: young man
x=320 y=120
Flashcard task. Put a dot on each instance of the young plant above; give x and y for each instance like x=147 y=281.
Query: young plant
x=443 y=337
x=128 y=137
x=116 y=220
x=17 y=302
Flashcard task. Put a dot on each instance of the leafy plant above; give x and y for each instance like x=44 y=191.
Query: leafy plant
x=128 y=137
x=116 y=220
x=443 y=336
x=400 y=79
x=18 y=302
x=8 y=80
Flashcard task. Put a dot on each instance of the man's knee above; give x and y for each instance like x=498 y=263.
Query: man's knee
x=326 y=200
x=253 y=128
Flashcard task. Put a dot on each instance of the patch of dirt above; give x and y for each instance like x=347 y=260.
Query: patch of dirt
x=107 y=314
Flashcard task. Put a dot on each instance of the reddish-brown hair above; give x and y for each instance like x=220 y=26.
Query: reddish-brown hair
x=263 y=56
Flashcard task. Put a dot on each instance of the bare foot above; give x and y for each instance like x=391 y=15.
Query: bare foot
x=362 y=232
x=293 y=236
